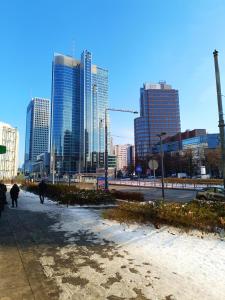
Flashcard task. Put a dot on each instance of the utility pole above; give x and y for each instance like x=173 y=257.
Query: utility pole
x=162 y=162
x=220 y=111
x=53 y=165
x=106 y=140
x=106 y=152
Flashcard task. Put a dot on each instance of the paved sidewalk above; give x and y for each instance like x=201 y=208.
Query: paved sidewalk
x=53 y=252
x=21 y=244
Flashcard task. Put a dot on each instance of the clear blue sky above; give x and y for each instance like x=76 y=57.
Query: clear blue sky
x=137 y=40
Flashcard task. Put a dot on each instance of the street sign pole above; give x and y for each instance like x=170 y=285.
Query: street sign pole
x=153 y=165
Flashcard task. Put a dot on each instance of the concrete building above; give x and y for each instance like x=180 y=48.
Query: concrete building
x=41 y=167
x=37 y=131
x=124 y=155
x=9 y=137
x=79 y=100
x=159 y=112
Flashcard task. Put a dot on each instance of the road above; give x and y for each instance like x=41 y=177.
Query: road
x=157 y=184
x=156 y=193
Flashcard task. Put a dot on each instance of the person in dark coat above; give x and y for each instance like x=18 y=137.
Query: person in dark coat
x=14 y=193
x=42 y=191
x=1 y=201
x=3 y=188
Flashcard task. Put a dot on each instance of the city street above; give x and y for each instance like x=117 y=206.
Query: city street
x=156 y=193
x=53 y=252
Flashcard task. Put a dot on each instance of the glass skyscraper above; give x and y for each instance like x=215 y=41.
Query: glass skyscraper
x=159 y=112
x=37 y=130
x=79 y=100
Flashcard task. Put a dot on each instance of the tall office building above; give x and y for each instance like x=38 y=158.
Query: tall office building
x=79 y=100
x=9 y=137
x=37 y=130
x=159 y=112
x=124 y=155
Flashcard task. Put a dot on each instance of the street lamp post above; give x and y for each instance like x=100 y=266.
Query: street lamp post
x=220 y=110
x=162 y=163
x=106 y=141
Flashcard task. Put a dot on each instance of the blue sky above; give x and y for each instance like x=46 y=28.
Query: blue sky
x=136 y=40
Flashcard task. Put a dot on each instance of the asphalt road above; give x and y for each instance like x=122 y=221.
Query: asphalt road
x=156 y=193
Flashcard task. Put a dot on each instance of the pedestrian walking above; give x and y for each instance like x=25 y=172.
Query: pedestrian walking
x=1 y=201
x=42 y=191
x=3 y=188
x=14 y=193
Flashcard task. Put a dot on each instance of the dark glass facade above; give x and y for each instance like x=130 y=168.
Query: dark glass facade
x=76 y=119
x=159 y=112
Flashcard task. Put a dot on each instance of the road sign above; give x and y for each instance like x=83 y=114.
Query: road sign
x=2 y=149
x=100 y=182
x=153 y=164
x=138 y=169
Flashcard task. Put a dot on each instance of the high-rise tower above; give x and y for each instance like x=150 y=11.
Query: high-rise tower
x=79 y=100
x=159 y=112
x=37 y=130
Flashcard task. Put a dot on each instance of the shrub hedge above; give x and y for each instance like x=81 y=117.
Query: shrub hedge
x=71 y=195
x=194 y=181
x=130 y=196
x=193 y=215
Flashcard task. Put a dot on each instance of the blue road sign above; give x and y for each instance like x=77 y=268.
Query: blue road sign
x=138 y=169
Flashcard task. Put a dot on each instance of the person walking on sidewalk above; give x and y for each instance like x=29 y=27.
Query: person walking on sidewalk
x=3 y=188
x=1 y=201
x=14 y=193
x=42 y=190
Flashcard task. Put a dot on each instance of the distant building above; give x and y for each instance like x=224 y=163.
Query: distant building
x=159 y=112
x=210 y=140
x=9 y=137
x=175 y=142
x=37 y=131
x=79 y=100
x=194 y=146
x=131 y=155
x=41 y=167
x=124 y=155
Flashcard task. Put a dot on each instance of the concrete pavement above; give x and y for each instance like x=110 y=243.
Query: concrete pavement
x=53 y=252
x=22 y=240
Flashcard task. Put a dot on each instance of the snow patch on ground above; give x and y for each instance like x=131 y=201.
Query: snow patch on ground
x=111 y=259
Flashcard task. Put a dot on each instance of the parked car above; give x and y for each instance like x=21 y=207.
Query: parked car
x=211 y=194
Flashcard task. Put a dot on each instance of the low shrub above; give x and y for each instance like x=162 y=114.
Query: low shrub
x=194 y=181
x=71 y=195
x=84 y=197
x=53 y=191
x=193 y=215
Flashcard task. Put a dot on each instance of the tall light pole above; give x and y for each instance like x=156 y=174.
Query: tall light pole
x=106 y=140
x=220 y=110
x=162 y=163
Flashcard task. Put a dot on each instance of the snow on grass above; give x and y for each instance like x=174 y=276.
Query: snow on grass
x=138 y=261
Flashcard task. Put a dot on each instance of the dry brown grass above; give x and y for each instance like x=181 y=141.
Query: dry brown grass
x=193 y=215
